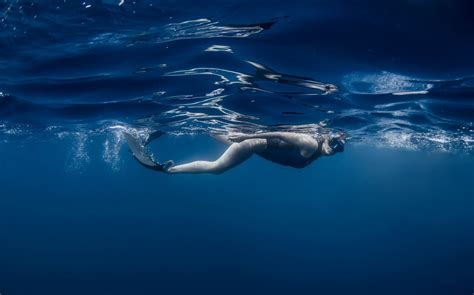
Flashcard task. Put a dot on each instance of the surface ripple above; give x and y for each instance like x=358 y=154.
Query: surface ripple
x=148 y=67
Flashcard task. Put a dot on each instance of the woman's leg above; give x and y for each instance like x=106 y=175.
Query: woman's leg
x=233 y=156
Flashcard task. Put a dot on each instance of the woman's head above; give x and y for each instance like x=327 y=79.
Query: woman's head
x=333 y=143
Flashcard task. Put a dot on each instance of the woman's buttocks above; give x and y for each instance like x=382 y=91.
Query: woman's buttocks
x=283 y=153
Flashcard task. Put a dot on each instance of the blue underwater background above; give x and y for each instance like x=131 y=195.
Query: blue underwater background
x=392 y=214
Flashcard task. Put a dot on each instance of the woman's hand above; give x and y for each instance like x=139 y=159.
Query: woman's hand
x=239 y=137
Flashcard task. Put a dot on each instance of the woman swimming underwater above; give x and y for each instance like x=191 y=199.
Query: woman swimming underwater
x=285 y=148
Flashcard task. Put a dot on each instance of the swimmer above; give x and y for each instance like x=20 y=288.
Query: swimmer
x=285 y=148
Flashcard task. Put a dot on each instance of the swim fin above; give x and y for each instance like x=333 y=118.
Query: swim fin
x=142 y=156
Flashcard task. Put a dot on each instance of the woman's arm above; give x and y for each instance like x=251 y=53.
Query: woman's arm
x=306 y=143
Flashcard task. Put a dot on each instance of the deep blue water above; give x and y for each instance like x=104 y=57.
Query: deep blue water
x=392 y=214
